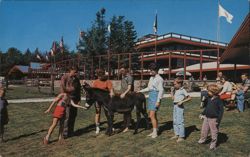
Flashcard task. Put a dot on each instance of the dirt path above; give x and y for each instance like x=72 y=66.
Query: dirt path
x=30 y=100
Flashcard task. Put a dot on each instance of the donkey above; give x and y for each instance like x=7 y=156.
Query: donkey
x=116 y=104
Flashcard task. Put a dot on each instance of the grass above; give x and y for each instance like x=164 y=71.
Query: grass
x=28 y=125
x=23 y=92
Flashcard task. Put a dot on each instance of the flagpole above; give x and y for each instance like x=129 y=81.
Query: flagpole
x=156 y=27
x=218 y=38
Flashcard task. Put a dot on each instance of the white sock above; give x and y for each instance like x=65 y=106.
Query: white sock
x=154 y=130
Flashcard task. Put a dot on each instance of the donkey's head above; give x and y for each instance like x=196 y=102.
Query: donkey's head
x=90 y=99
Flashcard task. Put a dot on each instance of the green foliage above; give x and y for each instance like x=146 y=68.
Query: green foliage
x=97 y=40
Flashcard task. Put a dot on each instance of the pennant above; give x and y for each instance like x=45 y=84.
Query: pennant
x=223 y=12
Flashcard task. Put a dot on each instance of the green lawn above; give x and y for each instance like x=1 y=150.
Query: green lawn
x=23 y=92
x=28 y=126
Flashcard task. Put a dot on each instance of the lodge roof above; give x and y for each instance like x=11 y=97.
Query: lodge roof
x=238 y=50
x=175 y=37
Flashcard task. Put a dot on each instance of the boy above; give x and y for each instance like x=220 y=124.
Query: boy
x=3 y=113
x=179 y=96
x=212 y=116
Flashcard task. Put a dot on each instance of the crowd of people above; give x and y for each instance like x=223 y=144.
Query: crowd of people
x=213 y=99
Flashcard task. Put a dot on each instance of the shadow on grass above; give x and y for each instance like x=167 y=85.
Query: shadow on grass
x=222 y=138
x=190 y=129
x=166 y=126
x=87 y=129
x=26 y=135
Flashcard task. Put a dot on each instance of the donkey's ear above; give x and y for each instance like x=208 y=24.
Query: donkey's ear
x=86 y=85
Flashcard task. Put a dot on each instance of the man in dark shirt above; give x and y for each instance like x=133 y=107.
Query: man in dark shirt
x=70 y=83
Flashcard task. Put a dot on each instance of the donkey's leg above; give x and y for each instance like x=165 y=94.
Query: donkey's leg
x=110 y=123
x=138 y=119
x=128 y=121
x=145 y=114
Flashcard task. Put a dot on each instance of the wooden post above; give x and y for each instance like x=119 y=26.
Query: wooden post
x=130 y=62
x=235 y=72
x=218 y=60
x=118 y=67
x=92 y=68
x=99 y=62
x=142 y=66
x=185 y=65
x=201 y=62
x=108 y=64
x=169 y=66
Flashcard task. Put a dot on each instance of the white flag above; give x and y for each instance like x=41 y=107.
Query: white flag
x=52 y=52
x=109 y=28
x=226 y=14
x=38 y=57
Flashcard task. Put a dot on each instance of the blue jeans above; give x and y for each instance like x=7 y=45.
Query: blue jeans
x=240 y=105
x=178 y=121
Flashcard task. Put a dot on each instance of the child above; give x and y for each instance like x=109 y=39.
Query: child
x=155 y=89
x=212 y=116
x=204 y=96
x=3 y=113
x=59 y=114
x=179 y=96
x=240 y=98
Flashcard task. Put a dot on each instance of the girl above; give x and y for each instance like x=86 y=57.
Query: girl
x=155 y=89
x=101 y=82
x=212 y=116
x=3 y=113
x=59 y=114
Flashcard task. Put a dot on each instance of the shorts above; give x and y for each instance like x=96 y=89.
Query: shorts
x=59 y=112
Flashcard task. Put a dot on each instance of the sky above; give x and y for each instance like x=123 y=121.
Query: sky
x=37 y=23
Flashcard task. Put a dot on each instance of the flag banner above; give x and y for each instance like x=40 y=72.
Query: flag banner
x=223 y=12
x=61 y=45
x=52 y=52
x=38 y=57
x=46 y=56
x=54 y=48
x=109 y=28
x=155 y=24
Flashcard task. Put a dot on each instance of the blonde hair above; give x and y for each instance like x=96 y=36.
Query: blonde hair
x=214 y=89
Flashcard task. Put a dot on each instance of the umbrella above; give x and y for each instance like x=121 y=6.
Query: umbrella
x=181 y=73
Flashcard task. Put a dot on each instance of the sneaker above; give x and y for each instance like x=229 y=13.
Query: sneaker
x=180 y=139
x=149 y=135
x=154 y=135
x=212 y=148
x=125 y=130
x=97 y=131
x=201 y=141
x=174 y=137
